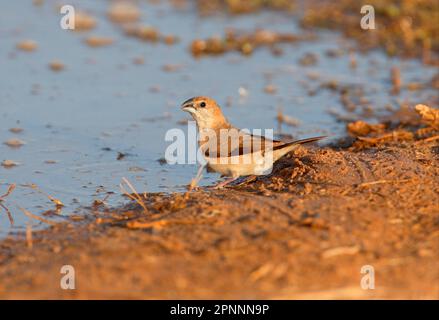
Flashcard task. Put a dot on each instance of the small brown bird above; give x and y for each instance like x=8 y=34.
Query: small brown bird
x=230 y=151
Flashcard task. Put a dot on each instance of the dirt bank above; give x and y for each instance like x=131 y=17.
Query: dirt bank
x=303 y=232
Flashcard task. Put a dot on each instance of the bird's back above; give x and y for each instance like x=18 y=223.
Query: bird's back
x=233 y=141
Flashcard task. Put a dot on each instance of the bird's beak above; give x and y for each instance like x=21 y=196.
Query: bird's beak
x=188 y=107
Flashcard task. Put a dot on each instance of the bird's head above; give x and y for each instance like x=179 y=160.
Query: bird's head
x=206 y=112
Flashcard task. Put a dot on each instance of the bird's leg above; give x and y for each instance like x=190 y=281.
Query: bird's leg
x=247 y=179
x=222 y=184
x=196 y=180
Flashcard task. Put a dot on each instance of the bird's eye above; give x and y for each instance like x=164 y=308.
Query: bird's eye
x=202 y=104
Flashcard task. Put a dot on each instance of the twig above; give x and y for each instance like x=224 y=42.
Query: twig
x=10 y=189
x=366 y=184
x=146 y=225
x=34 y=216
x=396 y=80
x=429 y=139
x=134 y=195
x=2 y=199
x=57 y=202
x=29 y=241
x=11 y=220
x=429 y=115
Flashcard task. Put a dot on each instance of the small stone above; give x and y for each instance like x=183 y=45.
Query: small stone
x=123 y=12
x=243 y=92
x=147 y=33
x=155 y=89
x=171 y=67
x=270 y=89
x=247 y=48
x=27 y=45
x=16 y=130
x=9 y=164
x=95 y=41
x=138 y=60
x=84 y=21
x=309 y=59
x=14 y=143
x=198 y=47
x=170 y=39
x=56 y=65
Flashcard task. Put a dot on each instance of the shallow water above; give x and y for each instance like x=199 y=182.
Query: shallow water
x=102 y=103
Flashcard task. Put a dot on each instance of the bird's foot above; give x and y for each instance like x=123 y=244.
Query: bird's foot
x=222 y=184
x=247 y=180
x=226 y=182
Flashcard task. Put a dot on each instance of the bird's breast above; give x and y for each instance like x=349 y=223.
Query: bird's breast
x=257 y=163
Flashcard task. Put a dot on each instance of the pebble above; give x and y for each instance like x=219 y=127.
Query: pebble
x=95 y=41
x=56 y=65
x=27 y=45
x=14 y=143
x=123 y=12
x=9 y=164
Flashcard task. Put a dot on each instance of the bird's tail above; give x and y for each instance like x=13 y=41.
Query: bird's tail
x=280 y=151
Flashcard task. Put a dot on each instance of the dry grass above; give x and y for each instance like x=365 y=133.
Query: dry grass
x=8 y=192
x=56 y=201
x=133 y=195
x=375 y=134
x=11 y=188
x=34 y=216
x=430 y=116
x=29 y=241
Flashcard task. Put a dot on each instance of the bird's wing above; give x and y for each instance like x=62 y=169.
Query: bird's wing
x=297 y=142
x=243 y=143
x=246 y=143
x=252 y=142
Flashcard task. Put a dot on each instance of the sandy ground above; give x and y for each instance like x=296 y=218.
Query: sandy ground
x=303 y=232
